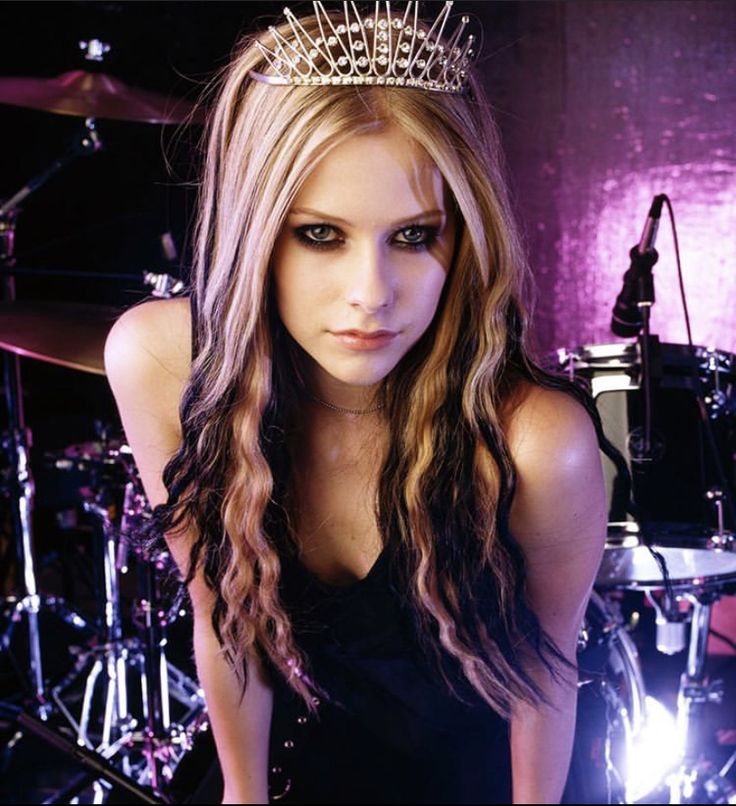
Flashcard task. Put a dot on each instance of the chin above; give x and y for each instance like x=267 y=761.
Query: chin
x=357 y=375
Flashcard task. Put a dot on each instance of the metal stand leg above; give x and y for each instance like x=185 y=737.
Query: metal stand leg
x=695 y=781
x=129 y=686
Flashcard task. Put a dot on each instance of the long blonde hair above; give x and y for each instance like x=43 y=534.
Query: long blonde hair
x=447 y=483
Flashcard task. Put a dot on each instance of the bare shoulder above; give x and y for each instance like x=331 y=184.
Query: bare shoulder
x=559 y=512
x=147 y=362
x=148 y=350
x=547 y=425
x=156 y=333
x=560 y=493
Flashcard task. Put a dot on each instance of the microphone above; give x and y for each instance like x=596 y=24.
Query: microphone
x=649 y=233
x=627 y=320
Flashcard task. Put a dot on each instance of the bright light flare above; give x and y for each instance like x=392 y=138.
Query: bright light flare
x=652 y=752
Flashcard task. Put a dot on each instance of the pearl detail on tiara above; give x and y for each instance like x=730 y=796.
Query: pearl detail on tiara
x=343 y=54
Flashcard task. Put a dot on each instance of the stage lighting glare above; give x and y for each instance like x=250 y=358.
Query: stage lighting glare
x=652 y=752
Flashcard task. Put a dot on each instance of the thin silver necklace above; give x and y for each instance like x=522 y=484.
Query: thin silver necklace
x=342 y=410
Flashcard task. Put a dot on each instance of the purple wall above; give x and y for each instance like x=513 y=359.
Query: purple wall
x=602 y=106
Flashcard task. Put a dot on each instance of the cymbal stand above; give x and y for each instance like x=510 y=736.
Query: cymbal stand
x=695 y=781
x=164 y=742
x=18 y=442
x=143 y=737
x=112 y=655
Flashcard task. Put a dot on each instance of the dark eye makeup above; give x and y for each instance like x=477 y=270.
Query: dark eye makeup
x=414 y=237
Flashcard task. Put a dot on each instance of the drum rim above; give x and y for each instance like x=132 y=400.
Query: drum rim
x=617 y=355
x=677 y=583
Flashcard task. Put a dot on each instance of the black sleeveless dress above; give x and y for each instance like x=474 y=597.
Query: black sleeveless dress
x=388 y=729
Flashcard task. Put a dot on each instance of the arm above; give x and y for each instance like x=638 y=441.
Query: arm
x=559 y=518
x=147 y=360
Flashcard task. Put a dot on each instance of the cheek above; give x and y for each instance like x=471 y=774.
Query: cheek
x=300 y=292
x=426 y=294
x=287 y=279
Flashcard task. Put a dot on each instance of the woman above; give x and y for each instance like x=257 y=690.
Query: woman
x=386 y=514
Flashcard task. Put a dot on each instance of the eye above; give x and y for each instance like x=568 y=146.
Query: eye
x=416 y=236
x=317 y=235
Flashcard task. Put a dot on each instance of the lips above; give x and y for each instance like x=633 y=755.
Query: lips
x=364 y=340
x=365 y=334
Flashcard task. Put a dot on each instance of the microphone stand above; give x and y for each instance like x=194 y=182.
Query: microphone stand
x=641 y=266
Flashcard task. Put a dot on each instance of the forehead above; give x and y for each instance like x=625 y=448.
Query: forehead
x=380 y=175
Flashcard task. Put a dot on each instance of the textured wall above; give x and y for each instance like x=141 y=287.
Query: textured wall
x=602 y=106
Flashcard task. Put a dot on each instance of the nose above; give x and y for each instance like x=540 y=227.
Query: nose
x=370 y=284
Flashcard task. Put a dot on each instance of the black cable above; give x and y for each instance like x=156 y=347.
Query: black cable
x=676 y=242
x=695 y=374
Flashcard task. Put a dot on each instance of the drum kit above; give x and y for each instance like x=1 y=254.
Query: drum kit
x=127 y=715
x=672 y=539
x=123 y=713
x=670 y=411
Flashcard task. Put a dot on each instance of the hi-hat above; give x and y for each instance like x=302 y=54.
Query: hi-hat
x=96 y=95
x=69 y=334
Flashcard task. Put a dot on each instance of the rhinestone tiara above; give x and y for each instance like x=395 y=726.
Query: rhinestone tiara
x=362 y=51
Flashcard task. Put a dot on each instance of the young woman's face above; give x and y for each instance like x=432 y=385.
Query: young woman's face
x=360 y=263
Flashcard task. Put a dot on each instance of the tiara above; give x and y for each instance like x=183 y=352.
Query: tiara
x=362 y=51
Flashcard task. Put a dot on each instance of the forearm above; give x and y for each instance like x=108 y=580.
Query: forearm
x=541 y=743
x=240 y=723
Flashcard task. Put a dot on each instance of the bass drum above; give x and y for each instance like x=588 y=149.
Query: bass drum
x=611 y=707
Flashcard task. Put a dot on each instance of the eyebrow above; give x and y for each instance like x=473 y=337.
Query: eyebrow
x=326 y=217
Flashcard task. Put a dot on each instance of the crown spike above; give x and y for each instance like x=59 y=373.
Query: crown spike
x=298 y=31
x=401 y=64
x=359 y=48
x=335 y=38
x=383 y=48
x=430 y=44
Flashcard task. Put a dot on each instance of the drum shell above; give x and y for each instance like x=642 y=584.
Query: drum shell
x=670 y=485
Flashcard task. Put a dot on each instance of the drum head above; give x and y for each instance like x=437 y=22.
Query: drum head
x=694 y=563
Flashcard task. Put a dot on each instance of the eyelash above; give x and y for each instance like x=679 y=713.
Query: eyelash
x=430 y=236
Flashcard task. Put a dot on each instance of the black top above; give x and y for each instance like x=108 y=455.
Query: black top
x=388 y=727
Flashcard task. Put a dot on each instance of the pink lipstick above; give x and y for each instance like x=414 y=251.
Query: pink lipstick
x=362 y=340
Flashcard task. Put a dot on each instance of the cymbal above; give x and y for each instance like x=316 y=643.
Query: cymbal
x=69 y=334
x=96 y=95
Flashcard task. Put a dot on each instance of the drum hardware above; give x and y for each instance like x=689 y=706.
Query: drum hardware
x=18 y=440
x=717 y=496
x=140 y=732
x=694 y=780
x=67 y=346
x=95 y=766
x=74 y=336
x=683 y=497
x=681 y=540
x=163 y=285
x=612 y=706
x=670 y=624
x=96 y=95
